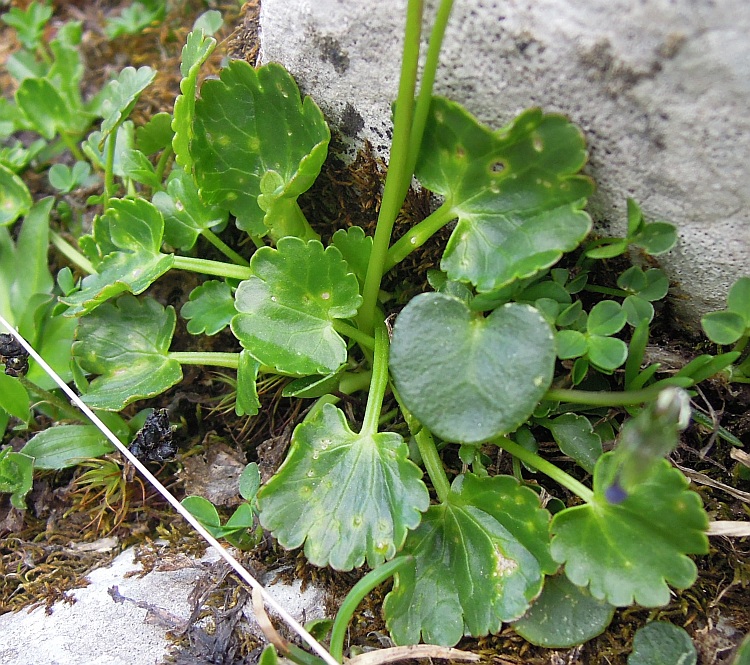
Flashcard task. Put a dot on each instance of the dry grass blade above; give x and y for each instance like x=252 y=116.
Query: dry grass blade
x=729 y=529
x=395 y=654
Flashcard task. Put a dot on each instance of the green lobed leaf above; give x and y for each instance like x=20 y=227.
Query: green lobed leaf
x=347 y=497
x=738 y=299
x=606 y=353
x=16 y=476
x=44 y=107
x=66 y=445
x=136 y=166
x=257 y=147
x=637 y=309
x=195 y=52
x=515 y=192
x=563 y=616
x=629 y=552
x=662 y=643
x=355 y=247
x=135 y=230
x=288 y=307
x=570 y=344
x=13 y=397
x=185 y=214
x=605 y=318
x=480 y=559
x=15 y=199
x=465 y=388
x=576 y=438
x=65 y=179
x=155 y=135
x=210 y=308
x=121 y=95
x=723 y=327
x=127 y=344
x=29 y=24
x=656 y=238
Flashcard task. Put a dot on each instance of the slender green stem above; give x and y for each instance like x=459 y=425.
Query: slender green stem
x=424 y=99
x=357 y=594
x=207 y=267
x=161 y=165
x=71 y=145
x=741 y=343
x=378 y=383
x=109 y=168
x=230 y=360
x=547 y=468
x=225 y=249
x=71 y=253
x=357 y=335
x=397 y=166
x=53 y=400
x=352 y=382
x=433 y=463
x=607 y=291
x=418 y=235
x=602 y=398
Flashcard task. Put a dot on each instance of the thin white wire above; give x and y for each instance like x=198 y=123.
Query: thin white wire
x=221 y=551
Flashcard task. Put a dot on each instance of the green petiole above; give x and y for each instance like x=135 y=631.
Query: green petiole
x=547 y=468
x=378 y=383
x=418 y=235
x=225 y=249
x=207 y=267
x=71 y=253
x=357 y=594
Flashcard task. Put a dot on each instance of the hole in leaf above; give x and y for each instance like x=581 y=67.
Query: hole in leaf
x=497 y=167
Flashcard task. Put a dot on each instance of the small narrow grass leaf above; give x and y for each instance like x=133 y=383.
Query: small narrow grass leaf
x=66 y=445
x=288 y=307
x=348 y=498
x=515 y=192
x=631 y=551
x=126 y=344
x=253 y=129
x=480 y=559
x=466 y=389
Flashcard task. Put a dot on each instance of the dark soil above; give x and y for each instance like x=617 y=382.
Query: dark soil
x=40 y=553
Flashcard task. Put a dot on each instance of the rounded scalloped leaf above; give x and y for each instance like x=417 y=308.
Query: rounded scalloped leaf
x=250 y=124
x=127 y=344
x=662 y=643
x=515 y=192
x=348 y=497
x=210 y=308
x=631 y=551
x=563 y=616
x=288 y=307
x=453 y=367
x=135 y=230
x=477 y=563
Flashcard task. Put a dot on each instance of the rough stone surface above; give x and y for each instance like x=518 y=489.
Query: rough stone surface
x=660 y=88
x=94 y=630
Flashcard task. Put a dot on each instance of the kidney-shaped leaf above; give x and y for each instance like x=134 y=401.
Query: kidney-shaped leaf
x=630 y=551
x=466 y=377
x=210 y=308
x=480 y=558
x=135 y=229
x=126 y=343
x=514 y=191
x=288 y=307
x=251 y=127
x=348 y=497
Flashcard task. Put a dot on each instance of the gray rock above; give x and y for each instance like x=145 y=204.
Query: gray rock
x=661 y=90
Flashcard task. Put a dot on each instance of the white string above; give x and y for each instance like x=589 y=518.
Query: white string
x=221 y=551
